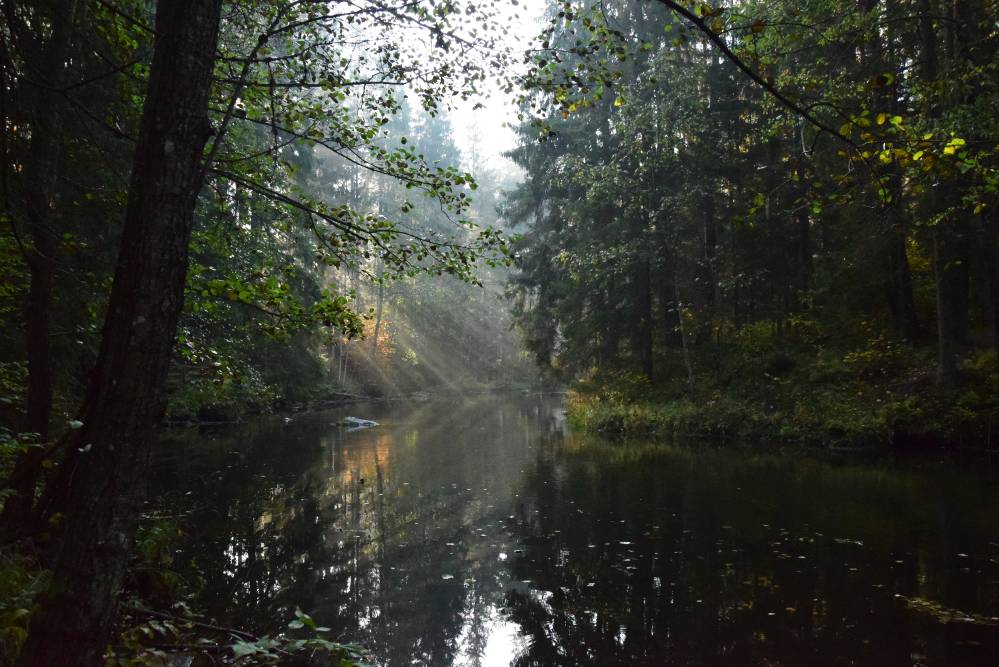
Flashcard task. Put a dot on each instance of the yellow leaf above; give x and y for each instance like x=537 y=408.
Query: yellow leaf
x=882 y=117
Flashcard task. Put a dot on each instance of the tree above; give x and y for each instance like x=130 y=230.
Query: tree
x=300 y=85
x=96 y=487
x=45 y=59
x=784 y=160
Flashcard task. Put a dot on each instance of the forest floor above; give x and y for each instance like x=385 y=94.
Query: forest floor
x=883 y=397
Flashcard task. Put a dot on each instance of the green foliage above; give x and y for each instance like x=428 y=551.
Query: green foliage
x=157 y=639
x=281 y=236
x=281 y=245
x=20 y=581
x=879 y=394
x=694 y=215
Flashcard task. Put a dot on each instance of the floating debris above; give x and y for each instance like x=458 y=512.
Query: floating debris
x=356 y=423
x=843 y=540
x=946 y=614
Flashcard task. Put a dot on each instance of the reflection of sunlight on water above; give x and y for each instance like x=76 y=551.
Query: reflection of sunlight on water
x=503 y=642
x=427 y=537
x=361 y=457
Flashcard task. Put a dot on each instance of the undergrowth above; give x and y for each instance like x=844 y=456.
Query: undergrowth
x=879 y=394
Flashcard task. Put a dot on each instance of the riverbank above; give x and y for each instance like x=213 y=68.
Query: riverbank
x=888 y=402
x=236 y=412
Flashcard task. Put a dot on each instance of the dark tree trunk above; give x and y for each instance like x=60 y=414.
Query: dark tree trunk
x=609 y=333
x=710 y=233
x=951 y=281
x=40 y=172
x=804 y=266
x=96 y=489
x=990 y=267
x=901 y=301
x=670 y=312
x=378 y=311
x=946 y=253
x=645 y=324
x=883 y=57
x=952 y=255
x=668 y=306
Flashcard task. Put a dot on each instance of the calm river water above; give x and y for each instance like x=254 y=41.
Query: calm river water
x=481 y=532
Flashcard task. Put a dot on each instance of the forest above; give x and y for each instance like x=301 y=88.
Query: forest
x=768 y=219
x=228 y=226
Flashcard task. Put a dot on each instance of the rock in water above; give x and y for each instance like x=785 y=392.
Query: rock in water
x=354 y=423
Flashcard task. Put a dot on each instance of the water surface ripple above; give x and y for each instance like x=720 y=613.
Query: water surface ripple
x=480 y=532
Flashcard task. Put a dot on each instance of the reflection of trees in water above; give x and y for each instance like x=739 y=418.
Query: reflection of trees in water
x=730 y=558
x=680 y=557
x=388 y=536
x=255 y=522
x=434 y=527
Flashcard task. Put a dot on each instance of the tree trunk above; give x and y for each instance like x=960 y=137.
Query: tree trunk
x=668 y=306
x=96 y=490
x=645 y=324
x=952 y=236
x=901 y=301
x=990 y=257
x=709 y=274
x=40 y=172
x=948 y=278
x=804 y=266
x=683 y=336
x=378 y=311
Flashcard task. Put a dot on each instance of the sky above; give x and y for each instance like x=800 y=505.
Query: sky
x=493 y=123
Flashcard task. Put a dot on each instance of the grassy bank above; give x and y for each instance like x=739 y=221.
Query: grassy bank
x=883 y=397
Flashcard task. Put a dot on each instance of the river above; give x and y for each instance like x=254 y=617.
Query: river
x=483 y=532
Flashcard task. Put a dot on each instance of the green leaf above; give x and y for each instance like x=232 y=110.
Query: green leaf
x=242 y=649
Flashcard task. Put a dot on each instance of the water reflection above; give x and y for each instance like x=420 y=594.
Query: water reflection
x=475 y=532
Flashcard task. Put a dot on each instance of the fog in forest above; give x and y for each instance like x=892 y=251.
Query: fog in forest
x=545 y=332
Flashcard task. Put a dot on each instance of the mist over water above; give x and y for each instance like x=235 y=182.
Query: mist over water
x=480 y=531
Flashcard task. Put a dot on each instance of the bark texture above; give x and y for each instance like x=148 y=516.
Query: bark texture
x=41 y=168
x=95 y=493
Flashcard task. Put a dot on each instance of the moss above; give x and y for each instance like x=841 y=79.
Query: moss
x=881 y=394
x=21 y=579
